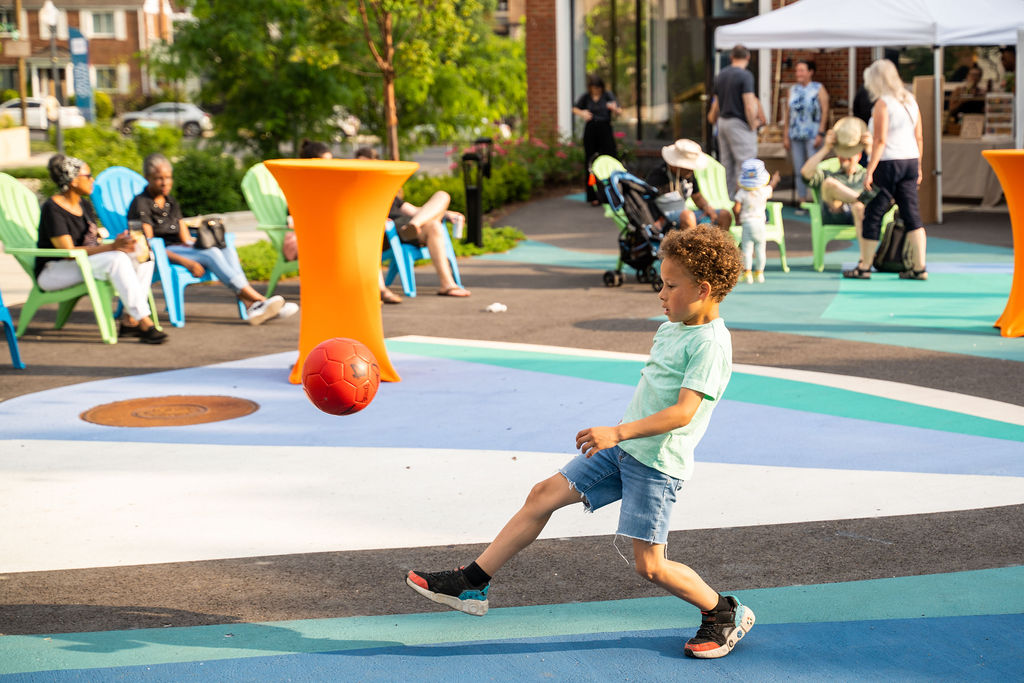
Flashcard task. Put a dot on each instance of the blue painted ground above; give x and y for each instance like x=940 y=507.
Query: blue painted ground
x=957 y=626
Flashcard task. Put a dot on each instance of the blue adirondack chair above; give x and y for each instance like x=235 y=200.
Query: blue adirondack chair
x=402 y=257
x=114 y=190
x=12 y=339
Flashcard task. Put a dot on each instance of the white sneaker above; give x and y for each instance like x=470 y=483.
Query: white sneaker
x=760 y=276
x=288 y=310
x=261 y=311
x=748 y=277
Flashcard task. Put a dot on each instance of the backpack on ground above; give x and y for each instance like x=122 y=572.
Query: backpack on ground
x=893 y=254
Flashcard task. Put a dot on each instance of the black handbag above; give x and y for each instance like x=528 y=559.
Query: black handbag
x=892 y=255
x=210 y=234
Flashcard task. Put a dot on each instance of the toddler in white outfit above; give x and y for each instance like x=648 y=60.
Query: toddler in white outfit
x=755 y=189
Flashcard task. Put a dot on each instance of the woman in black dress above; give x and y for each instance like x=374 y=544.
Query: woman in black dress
x=596 y=107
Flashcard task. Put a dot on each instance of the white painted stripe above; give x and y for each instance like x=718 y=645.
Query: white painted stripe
x=67 y=505
x=909 y=393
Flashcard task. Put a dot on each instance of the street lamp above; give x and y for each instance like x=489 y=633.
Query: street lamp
x=49 y=15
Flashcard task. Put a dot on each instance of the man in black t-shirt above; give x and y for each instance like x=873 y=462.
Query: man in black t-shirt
x=737 y=113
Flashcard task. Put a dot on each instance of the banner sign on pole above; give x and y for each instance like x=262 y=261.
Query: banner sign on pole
x=80 y=68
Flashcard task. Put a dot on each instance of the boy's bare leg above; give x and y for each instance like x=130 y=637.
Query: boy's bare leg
x=524 y=527
x=676 y=578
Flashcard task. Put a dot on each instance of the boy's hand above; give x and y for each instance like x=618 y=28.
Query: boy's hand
x=590 y=441
x=830 y=138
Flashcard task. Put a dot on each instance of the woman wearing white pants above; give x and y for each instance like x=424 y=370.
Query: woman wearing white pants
x=67 y=221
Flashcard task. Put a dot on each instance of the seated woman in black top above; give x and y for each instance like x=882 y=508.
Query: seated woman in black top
x=67 y=221
x=161 y=217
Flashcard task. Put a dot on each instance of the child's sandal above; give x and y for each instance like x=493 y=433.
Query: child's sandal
x=858 y=273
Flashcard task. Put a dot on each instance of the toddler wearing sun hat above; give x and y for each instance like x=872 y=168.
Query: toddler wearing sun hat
x=755 y=189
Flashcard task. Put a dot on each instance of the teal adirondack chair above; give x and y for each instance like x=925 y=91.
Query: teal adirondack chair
x=12 y=340
x=267 y=202
x=19 y=230
x=821 y=232
x=714 y=187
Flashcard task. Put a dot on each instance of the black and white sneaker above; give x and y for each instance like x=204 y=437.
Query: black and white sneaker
x=720 y=631
x=261 y=311
x=450 y=588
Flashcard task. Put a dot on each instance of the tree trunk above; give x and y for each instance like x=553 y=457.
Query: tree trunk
x=390 y=104
x=391 y=115
x=386 y=63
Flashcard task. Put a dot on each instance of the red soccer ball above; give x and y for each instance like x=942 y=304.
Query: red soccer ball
x=340 y=376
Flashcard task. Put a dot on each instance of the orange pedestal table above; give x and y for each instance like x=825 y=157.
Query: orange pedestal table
x=339 y=207
x=1009 y=167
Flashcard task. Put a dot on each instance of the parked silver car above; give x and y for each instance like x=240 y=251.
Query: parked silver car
x=191 y=119
x=35 y=108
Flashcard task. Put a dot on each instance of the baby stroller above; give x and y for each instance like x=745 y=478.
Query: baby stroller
x=630 y=204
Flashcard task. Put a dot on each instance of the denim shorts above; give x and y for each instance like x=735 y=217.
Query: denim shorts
x=613 y=474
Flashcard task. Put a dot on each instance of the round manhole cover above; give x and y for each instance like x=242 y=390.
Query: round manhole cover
x=169 y=411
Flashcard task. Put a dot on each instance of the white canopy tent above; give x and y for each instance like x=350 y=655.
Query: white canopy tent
x=817 y=24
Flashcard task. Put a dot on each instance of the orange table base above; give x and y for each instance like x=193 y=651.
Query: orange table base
x=1009 y=167
x=339 y=207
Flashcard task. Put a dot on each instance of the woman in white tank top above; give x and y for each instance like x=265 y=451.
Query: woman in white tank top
x=895 y=168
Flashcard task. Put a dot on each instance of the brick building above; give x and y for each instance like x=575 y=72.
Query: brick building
x=117 y=31
x=657 y=56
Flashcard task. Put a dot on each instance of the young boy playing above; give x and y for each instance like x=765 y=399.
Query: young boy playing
x=751 y=201
x=646 y=457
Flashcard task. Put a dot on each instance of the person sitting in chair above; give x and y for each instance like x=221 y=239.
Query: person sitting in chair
x=424 y=227
x=842 y=191
x=67 y=221
x=161 y=217
x=682 y=158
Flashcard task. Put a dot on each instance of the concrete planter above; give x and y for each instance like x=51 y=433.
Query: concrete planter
x=14 y=147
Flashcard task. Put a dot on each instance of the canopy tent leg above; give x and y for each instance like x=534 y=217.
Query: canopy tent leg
x=937 y=51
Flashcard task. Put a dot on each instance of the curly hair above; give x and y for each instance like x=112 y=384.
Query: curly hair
x=709 y=254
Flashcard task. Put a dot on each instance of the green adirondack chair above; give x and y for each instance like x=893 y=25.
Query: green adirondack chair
x=821 y=232
x=713 y=187
x=267 y=202
x=19 y=230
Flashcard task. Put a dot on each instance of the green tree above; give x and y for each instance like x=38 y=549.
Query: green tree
x=430 y=56
x=276 y=69
x=261 y=65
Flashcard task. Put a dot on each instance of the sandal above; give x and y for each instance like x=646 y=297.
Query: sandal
x=914 y=274
x=858 y=273
x=389 y=297
x=454 y=291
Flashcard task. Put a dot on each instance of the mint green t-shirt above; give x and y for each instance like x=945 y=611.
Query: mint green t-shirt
x=697 y=357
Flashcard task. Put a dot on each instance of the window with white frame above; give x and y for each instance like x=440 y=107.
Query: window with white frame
x=103 y=24
x=106 y=78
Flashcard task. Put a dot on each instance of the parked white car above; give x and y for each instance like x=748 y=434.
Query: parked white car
x=191 y=119
x=70 y=117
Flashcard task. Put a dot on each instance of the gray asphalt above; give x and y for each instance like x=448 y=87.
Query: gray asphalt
x=546 y=305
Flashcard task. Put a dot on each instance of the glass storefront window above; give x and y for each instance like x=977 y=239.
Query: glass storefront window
x=654 y=55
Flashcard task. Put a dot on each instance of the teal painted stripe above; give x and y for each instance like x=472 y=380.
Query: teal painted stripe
x=815 y=398
x=539 y=253
x=769 y=391
x=982 y=592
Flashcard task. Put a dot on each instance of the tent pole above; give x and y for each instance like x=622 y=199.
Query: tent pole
x=851 y=80
x=1018 y=101
x=937 y=51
